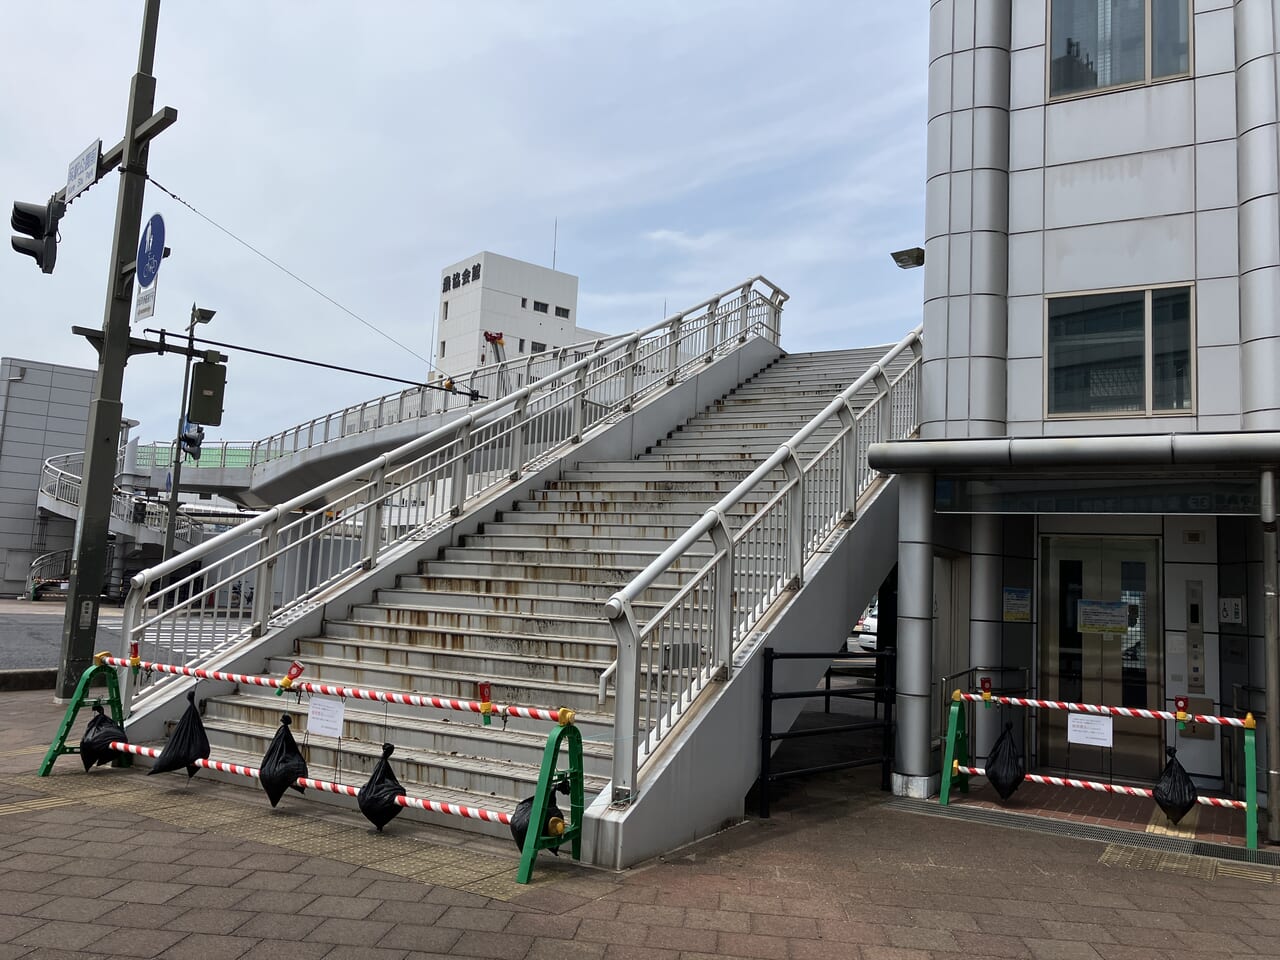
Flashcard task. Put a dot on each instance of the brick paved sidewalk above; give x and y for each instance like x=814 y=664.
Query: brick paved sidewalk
x=835 y=873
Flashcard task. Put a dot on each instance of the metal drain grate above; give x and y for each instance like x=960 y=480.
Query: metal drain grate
x=1086 y=831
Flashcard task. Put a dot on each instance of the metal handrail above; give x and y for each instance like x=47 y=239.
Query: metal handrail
x=59 y=481
x=387 y=410
x=280 y=563
x=714 y=612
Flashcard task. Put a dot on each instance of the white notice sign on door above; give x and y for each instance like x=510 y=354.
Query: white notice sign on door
x=324 y=716
x=1089 y=729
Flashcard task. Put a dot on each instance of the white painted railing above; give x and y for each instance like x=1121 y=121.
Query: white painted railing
x=60 y=479
x=490 y=381
x=287 y=559
x=664 y=664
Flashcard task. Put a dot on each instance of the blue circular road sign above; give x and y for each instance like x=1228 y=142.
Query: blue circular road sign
x=150 y=250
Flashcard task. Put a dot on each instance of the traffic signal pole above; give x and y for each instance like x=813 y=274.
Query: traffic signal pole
x=102 y=438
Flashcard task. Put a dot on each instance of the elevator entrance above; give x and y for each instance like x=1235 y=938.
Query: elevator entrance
x=1102 y=643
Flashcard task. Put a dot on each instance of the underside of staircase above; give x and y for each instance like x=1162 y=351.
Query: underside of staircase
x=519 y=604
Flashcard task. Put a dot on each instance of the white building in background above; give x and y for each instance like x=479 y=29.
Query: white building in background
x=533 y=307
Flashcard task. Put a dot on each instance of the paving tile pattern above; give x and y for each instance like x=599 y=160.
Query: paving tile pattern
x=181 y=870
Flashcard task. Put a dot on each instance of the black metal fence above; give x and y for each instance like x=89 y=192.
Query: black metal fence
x=880 y=692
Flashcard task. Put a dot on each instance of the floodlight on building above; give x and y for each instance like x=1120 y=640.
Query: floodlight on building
x=906 y=259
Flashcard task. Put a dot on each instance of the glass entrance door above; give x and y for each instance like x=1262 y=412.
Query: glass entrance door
x=1102 y=643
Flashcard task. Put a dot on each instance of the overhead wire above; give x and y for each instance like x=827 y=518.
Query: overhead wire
x=286 y=270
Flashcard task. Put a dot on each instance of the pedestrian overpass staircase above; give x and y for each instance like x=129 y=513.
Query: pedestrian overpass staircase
x=619 y=539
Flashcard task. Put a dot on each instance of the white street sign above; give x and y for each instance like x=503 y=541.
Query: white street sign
x=83 y=170
x=146 y=303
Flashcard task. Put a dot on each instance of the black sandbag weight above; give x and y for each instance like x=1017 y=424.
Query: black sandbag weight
x=187 y=744
x=1175 y=791
x=95 y=745
x=283 y=764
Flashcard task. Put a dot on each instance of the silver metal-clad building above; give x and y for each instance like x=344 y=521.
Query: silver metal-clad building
x=1090 y=511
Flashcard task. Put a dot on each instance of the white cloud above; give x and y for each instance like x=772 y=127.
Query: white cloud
x=682 y=146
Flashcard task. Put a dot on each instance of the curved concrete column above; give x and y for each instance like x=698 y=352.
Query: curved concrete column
x=986 y=616
x=914 y=775
x=1257 y=176
x=967 y=219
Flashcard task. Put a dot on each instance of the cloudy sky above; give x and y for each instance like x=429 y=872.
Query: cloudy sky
x=683 y=147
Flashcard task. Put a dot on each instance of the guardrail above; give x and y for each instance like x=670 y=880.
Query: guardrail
x=691 y=640
x=956 y=768
x=285 y=559
x=60 y=479
x=494 y=379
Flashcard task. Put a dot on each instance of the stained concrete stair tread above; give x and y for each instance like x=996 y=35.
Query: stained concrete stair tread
x=422 y=677
x=593 y=725
x=447 y=657
x=221 y=713
x=433 y=602
x=612 y=577
x=478 y=584
x=498 y=641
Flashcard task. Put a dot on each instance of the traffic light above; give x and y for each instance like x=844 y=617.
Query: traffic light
x=208 y=384
x=191 y=439
x=40 y=226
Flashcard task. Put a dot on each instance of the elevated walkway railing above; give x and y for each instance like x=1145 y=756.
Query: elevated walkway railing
x=692 y=639
x=284 y=559
x=60 y=480
x=401 y=407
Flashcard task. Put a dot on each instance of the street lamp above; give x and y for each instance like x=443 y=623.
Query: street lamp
x=198 y=315
x=906 y=259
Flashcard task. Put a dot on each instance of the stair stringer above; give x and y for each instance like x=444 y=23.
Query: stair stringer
x=630 y=436
x=698 y=781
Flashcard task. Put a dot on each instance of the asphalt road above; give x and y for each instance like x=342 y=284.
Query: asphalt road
x=31 y=632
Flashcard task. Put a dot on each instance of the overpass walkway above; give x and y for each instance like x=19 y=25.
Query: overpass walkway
x=619 y=538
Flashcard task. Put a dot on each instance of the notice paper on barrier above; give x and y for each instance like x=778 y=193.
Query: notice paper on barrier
x=1089 y=729
x=324 y=716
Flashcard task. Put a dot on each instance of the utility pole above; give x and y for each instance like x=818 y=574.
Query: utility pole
x=102 y=438
x=198 y=315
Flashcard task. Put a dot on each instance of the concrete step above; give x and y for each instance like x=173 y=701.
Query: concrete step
x=476 y=663
x=442 y=734
x=653 y=513
x=610 y=527
x=661 y=483
x=489 y=586
x=396 y=643
x=490 y=621
x=623 y=499
x=523 y=691
x=605 y=545
x=559 y=573
x=594 y=721
x=606 y=561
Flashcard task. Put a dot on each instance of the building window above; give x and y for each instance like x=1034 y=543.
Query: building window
x=536 y=347
x=539 y=307
x=562 y=313
x=522 y=345
x=1096 y=44
x=445 y=314
x=1122 y=352
x=441 y=349
x=524 y=303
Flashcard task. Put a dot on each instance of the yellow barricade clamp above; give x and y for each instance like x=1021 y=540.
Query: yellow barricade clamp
x=1249 y=722
x=955 y=768
x=956 y=696
x=99 y=657
x=566 y=716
